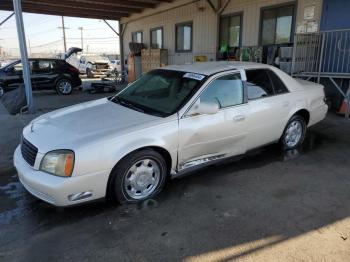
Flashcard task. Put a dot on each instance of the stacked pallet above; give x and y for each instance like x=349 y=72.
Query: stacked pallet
x=153 y=58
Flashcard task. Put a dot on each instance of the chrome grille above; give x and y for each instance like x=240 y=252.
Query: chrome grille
x=29 y=152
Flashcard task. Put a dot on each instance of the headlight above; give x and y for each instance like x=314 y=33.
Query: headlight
x=58 y=162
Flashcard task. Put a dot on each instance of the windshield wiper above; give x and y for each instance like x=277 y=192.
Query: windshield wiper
x=135 y=107
x=126 y=104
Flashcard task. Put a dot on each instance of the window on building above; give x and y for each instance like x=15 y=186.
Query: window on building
x=230 y=30
x=183 y=40
x=226 y=91
x=157 y=38
x=136 y=37
x=258 y=84
x=277 y=25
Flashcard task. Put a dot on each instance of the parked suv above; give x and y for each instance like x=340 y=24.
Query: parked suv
x=46 y=73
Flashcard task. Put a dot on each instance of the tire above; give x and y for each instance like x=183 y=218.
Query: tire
x=89 y=74
x=294 y=133
x=64 y=87
x=137 y=177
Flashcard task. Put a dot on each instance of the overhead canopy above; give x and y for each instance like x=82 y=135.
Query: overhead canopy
x=101 y=9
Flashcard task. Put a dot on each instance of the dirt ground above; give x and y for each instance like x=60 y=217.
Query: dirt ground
x=269 y=206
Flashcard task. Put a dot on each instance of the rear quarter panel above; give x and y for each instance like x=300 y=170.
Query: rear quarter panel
x=304 y=95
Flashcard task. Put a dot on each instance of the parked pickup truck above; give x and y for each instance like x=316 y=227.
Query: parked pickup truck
x=92 y=65
x=171 y=121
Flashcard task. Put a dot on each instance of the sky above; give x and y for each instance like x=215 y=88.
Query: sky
x=44 y=36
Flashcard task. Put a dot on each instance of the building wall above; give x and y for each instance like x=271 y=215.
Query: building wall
x=205 y=23
x=251 y=15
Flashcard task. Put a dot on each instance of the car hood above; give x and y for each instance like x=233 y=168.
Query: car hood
x=99 y=62
x=83 y=124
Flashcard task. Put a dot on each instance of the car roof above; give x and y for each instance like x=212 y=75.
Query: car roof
x=210 y=68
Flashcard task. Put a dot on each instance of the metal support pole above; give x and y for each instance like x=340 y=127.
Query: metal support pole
x=24 y=56
x=118 y=34
x=121 y=47
x=320 y=66
x=7 y=18
x=294 y=59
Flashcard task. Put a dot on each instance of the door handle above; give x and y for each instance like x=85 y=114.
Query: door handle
x=285 y=103
x=238 y=118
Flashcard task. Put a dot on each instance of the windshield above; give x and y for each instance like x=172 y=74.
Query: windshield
x=160 y=92
x=5 y=66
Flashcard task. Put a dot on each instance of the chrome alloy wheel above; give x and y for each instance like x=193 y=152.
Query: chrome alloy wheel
x=294 y=133
x=142 y=179
x=65 y=87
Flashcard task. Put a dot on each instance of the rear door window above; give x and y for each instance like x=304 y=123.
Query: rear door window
x=40 y=66
x=44 y=65
x=56 y=64
x=278 y=85
x=258 y=84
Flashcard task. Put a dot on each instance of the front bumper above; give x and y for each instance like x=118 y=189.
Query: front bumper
x=58 y=190
x=100 y=71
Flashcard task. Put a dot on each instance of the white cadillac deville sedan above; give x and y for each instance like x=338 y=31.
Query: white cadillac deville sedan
x=170 y=121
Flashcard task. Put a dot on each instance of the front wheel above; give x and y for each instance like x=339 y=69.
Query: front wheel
x=64 y=87
x=139 y=176
x=294 y=133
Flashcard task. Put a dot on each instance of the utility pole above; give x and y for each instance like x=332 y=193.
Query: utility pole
x=81 y=37
x=64 y=34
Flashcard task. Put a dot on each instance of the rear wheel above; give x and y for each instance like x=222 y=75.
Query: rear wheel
x=294 y=133
x=64 y=87
x=138 y=177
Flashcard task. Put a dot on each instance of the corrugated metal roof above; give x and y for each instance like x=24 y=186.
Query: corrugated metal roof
x=102 y=9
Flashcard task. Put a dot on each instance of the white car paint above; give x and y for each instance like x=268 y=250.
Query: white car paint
x=115 y=65
x=101 y=133
x=88 y=61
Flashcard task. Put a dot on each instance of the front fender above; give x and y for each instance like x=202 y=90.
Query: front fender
x=167 y=141
x=106 y=153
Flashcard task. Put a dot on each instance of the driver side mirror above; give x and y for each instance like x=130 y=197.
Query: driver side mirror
x=204 y=108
